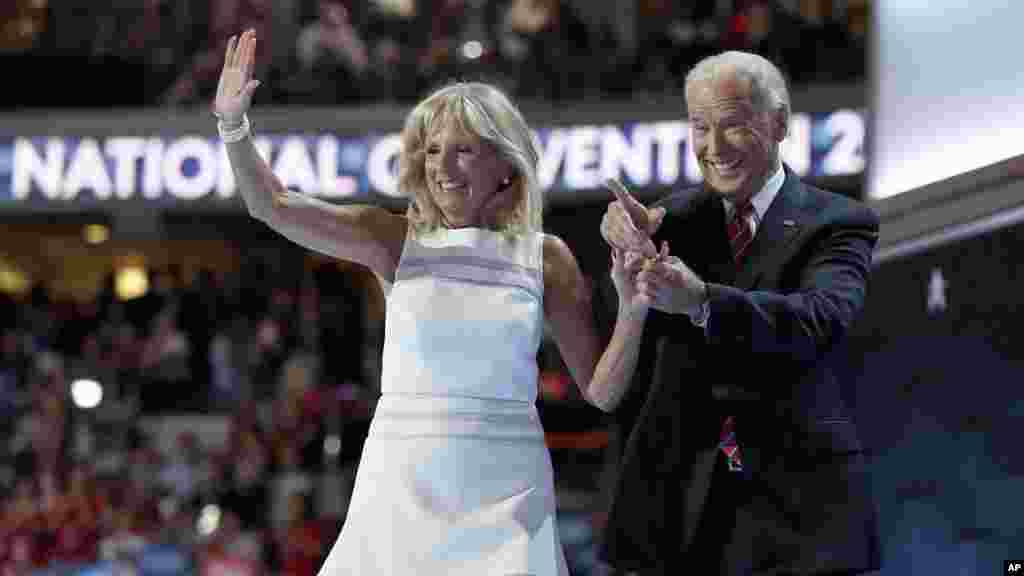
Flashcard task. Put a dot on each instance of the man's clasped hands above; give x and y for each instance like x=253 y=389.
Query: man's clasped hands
x=645 y=276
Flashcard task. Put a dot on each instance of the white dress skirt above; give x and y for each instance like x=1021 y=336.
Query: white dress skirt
x=455 y=478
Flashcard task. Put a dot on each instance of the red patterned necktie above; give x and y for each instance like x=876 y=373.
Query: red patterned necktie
x=728 y=446
x=740 y=232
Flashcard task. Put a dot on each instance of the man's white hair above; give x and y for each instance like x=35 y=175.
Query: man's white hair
x=767 y=85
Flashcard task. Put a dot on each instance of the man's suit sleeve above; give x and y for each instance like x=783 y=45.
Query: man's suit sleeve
x=804 y=323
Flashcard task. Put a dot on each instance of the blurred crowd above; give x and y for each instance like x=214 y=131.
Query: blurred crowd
x=191 y=344
x=85 y=481
x=217 y=420
x=352 y=52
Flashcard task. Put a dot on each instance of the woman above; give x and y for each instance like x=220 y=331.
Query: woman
x=454 y=476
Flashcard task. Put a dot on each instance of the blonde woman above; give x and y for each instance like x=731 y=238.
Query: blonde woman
x=454 y=477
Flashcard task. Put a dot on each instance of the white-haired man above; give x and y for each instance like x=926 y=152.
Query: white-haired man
x=738 y=436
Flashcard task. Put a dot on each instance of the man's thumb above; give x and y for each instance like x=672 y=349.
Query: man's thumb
x=655 y=217
x=250 y=88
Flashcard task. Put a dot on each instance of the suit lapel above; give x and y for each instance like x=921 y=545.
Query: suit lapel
x=780 y=225
x=699 y=237
x=718 y=253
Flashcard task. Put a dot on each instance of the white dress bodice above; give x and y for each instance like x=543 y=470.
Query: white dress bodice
x=465 y=316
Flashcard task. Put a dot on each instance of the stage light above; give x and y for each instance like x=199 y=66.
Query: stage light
x=332 y=445
x=12 y=279
x=209 y=520
x=95 y=233
x=130 y=282
x=86 y=394
x=472 y=50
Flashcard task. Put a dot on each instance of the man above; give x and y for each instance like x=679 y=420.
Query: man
x=741 y=458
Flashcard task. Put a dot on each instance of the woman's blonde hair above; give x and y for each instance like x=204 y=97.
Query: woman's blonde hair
x=486 y=112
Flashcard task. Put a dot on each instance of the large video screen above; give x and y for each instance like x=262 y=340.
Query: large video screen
x=185 y=169
x=947 y=85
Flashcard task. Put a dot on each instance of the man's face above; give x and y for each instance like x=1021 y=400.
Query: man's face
x=736 y=144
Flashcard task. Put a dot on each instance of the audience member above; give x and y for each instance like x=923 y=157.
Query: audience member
x=342 y=52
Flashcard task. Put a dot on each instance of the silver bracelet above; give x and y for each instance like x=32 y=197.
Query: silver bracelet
x=236 y=134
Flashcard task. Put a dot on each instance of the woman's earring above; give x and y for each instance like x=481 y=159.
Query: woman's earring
x=506 y=182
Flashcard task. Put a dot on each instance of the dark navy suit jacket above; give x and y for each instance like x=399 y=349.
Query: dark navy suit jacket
x=777 y=321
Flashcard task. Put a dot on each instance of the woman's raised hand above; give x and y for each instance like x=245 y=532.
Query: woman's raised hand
x=236 y=86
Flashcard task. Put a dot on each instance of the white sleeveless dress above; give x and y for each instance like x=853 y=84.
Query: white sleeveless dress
x=455 y=478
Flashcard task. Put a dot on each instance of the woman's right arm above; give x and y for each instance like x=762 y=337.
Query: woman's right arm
x=368 y=235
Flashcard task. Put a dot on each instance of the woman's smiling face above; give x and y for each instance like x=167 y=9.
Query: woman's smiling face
x=463 y=173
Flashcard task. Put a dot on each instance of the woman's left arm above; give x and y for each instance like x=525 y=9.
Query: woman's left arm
x=601 y=372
